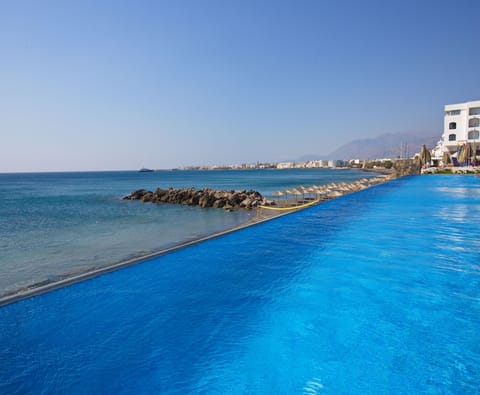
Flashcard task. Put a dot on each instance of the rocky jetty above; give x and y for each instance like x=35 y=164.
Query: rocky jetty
x=228 y=200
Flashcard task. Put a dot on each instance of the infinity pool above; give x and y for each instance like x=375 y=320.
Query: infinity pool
x=373 y=293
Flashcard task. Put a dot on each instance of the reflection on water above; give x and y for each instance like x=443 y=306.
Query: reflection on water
x=344 y=297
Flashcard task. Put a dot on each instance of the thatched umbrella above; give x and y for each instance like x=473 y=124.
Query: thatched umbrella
x=278 y=193
x=334 y=194
x=465 y=153
x=446 y=158
x=469 y=152
x=425 y=156
x=287 y=192
x=303 y=190
x=460 y=154
x=296 y=192
x=319 y=191
x=474 y=153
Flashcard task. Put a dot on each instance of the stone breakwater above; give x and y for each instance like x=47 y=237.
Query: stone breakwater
x=228 y=200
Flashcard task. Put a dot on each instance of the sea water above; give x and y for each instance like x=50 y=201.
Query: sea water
x=55 y=225
x=376 y=292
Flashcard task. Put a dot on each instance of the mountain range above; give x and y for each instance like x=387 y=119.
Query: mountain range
x=388 y=145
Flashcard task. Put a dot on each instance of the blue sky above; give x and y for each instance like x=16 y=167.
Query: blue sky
x=93 y=85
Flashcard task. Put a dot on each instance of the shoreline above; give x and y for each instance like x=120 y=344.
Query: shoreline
x=261 y=215
x=41 y=288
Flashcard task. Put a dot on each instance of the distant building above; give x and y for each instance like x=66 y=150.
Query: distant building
x=336 y=163
x=311 y=164
x=324 y=163
x=461 y=125
x=285 y=165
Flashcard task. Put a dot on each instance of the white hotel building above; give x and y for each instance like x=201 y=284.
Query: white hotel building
x=461 y=125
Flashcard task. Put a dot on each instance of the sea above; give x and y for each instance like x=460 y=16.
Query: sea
x=57 y=225
x=376 y=292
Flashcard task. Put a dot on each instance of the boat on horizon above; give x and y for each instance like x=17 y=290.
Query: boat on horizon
x=145 y=170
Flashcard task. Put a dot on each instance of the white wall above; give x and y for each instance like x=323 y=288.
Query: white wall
x=461 y=120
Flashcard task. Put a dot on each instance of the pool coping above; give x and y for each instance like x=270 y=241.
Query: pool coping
x=89 y=274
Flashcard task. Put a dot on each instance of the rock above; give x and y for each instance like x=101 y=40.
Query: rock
x=147 y=197
x=218 y=203
x=136 y=195
x=235 y=198
x=203 y=202
x=246 y=203
x=229 y=200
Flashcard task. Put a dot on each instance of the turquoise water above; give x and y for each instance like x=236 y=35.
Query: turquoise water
x=54 y=225
x=373 y=293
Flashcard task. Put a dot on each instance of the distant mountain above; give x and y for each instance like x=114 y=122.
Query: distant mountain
x=306 y=158
x=386 y=146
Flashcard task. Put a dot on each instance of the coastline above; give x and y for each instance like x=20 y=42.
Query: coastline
x=261 y=215
x=42 y=287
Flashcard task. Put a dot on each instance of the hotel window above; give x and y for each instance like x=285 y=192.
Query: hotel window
x=452 y=112
x=452 y=125
x=473 y=135
x=452 y=137
x=474 y=123
x=474 y=111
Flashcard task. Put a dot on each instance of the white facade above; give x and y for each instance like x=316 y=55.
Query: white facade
x=461 y=125
x=285 y=165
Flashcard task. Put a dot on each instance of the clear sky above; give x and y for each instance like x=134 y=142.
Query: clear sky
x=88 y=85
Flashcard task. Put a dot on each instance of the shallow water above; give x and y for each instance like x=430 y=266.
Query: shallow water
x=376 y=292
x=58 y=224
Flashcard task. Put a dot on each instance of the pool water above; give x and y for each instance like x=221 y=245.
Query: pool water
x=57 y=225
x=373 y=293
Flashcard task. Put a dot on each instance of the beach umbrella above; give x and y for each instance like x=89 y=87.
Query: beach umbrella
x=446 y=158
x=334 y=194
x=296 y=192
x=425 y=156
x=465 y=153
x=321 y=195
x=278 y=194
x=474 y=154
x=469 y=152
x=460 y=155
x=327 y=189
x=317 y=191
x=358 y=186
x=303 y=190
x=311 y=190
x=344 y=187
x=287 y=192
